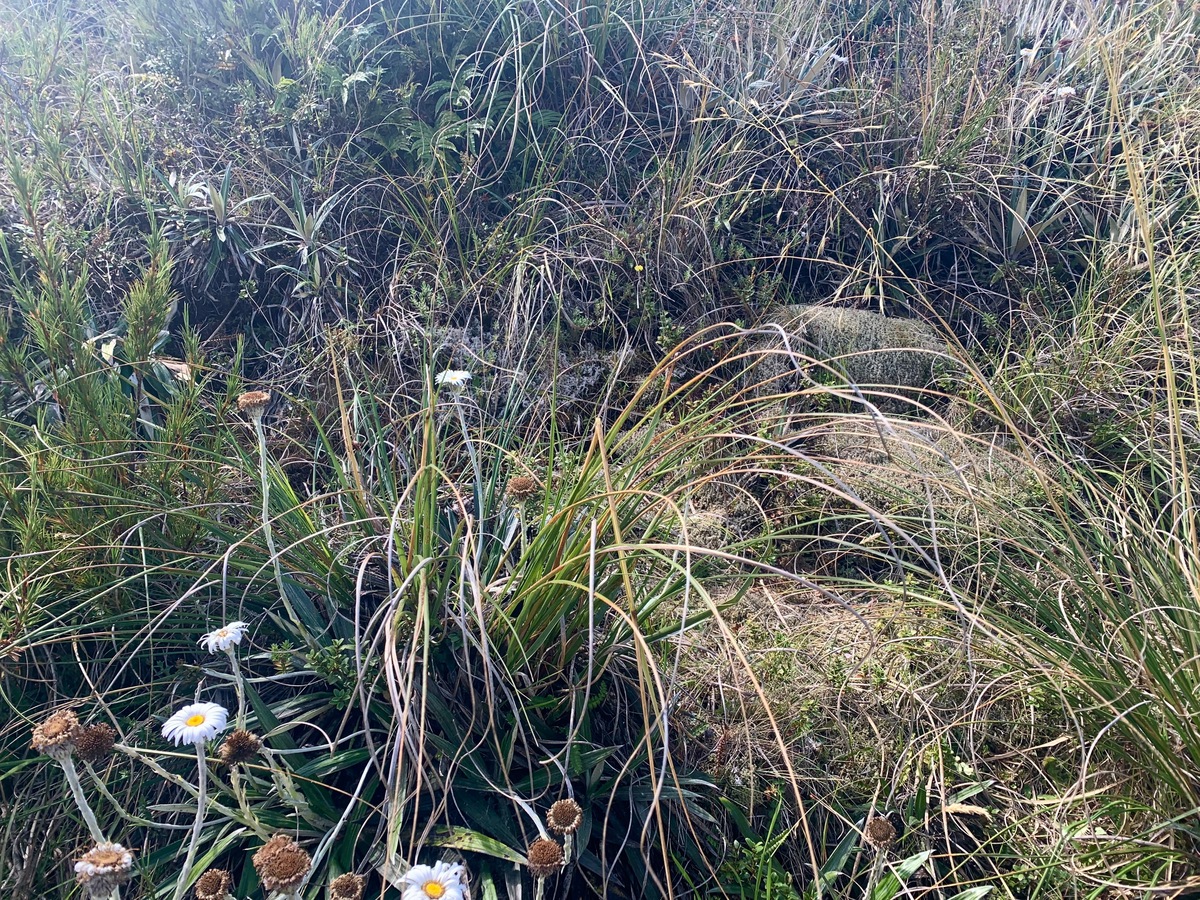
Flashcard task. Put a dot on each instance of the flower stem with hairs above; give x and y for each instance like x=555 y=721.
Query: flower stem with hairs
x=201 y=799
x=184 y=785
x=68 y=767
x=238 y=686
x=125 y=814
x=876 y=872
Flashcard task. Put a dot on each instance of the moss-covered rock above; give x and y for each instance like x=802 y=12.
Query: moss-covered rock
x=888 y=358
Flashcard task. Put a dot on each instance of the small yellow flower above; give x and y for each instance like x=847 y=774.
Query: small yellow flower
x=639 y=268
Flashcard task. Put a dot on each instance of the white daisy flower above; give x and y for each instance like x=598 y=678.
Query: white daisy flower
x=443 y=881
x=224 y=637
x=455 y=379
x=195 y=723
x=1066 y=92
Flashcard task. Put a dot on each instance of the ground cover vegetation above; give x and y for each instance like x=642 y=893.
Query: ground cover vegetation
x=623 y=448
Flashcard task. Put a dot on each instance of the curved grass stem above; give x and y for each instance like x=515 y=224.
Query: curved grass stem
x=265 y=481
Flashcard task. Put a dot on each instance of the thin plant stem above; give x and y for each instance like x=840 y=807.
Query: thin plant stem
x=264 y=478
x=239 y=793
x=181 y=783
x=466 y=433
x=68 y=767
x=238 y=686
x=521 y=528
x=201 y=798
x=876 y=871
x=125 y=814
x=331 y=835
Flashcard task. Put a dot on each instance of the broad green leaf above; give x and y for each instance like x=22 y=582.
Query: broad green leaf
x=889 y=886
x=466 y=839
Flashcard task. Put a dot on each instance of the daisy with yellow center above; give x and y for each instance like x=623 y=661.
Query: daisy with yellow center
x=195 y=723
x=224 y=637
x=442 y=881
x=454 y=379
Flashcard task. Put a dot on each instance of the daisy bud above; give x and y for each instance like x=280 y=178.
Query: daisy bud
x=240 y=747
x=95 y=743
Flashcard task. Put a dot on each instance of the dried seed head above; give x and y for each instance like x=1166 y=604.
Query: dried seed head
x=57 y=736
x=879 y=832
x=103 y=869
x=966 y=809
x=240 y=747
x=565 y=816
x=281 y=864
x=346 y=887
x=95 y=743
x=545 y=858
x=521 y=487
x=254 y=403
x=215 y=884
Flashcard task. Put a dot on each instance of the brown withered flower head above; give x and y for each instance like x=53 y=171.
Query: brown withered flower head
x=281 y=864
x=240 y=747
x=545 y=858
x=215 y=884
x=879 y=832
x=565 y=816
x=95 y=743
x=57 y=735
x=103 y=869
x=346 y=887
x=254 y=403
x=521 y=488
